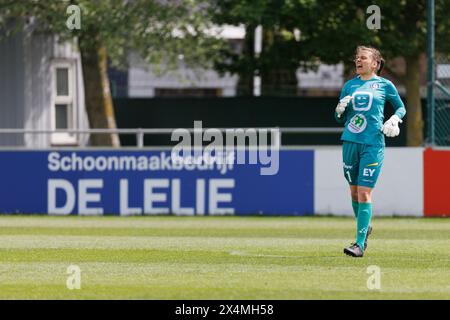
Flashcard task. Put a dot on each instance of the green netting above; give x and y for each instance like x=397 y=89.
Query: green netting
x=441 y=117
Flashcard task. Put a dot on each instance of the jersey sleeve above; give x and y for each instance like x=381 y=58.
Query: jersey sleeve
x=394 y=99
x=342 y=95
x=344 y=91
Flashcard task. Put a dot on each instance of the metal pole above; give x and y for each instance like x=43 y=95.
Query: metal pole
x=140 y=138
x=257 y=50
x=431 y=73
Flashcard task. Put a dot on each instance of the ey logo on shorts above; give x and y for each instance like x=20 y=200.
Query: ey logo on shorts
x=357 y=124
x=368 y=172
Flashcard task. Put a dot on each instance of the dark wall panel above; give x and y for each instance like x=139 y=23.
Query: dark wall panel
x=236 y=112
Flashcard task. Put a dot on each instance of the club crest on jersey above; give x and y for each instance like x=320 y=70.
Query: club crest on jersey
x=374 y=86
x=357 y=124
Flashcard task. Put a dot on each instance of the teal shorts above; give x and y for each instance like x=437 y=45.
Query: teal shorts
x=362 y=163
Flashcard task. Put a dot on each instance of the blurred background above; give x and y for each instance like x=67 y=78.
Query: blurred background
x=88 y=64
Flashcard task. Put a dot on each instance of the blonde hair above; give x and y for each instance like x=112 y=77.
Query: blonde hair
x=376 y=55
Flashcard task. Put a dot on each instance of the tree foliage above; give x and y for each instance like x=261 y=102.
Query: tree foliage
x=159 y=30
x=330 y=32
x=282 y=51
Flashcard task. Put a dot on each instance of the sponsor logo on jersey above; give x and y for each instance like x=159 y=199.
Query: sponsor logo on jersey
x=362 y=100
x=357 y=124
x=374 y=86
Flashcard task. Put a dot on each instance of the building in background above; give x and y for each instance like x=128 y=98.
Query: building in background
x=326 y=81
x=41 y=88
x=140 y=82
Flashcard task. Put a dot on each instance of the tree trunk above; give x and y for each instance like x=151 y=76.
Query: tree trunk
x=99 y=105
x=277 y=78
x=414 y=130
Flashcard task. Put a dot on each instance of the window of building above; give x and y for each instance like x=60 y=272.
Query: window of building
x=64 y=104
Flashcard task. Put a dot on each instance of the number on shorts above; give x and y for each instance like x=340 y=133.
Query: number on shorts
x=348 y=174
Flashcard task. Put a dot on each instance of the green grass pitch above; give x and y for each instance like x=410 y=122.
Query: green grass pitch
x=221 y=258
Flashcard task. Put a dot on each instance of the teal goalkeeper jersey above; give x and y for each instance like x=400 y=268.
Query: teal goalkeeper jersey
x=364 y=116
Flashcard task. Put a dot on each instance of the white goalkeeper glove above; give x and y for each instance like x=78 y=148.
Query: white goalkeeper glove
x=390 y=127
x=340 y=109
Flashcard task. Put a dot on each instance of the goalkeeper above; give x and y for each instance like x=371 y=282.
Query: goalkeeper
x=360 y=109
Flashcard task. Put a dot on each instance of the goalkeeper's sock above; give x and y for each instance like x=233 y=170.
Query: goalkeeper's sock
x=355 y=205
x=363 y=221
